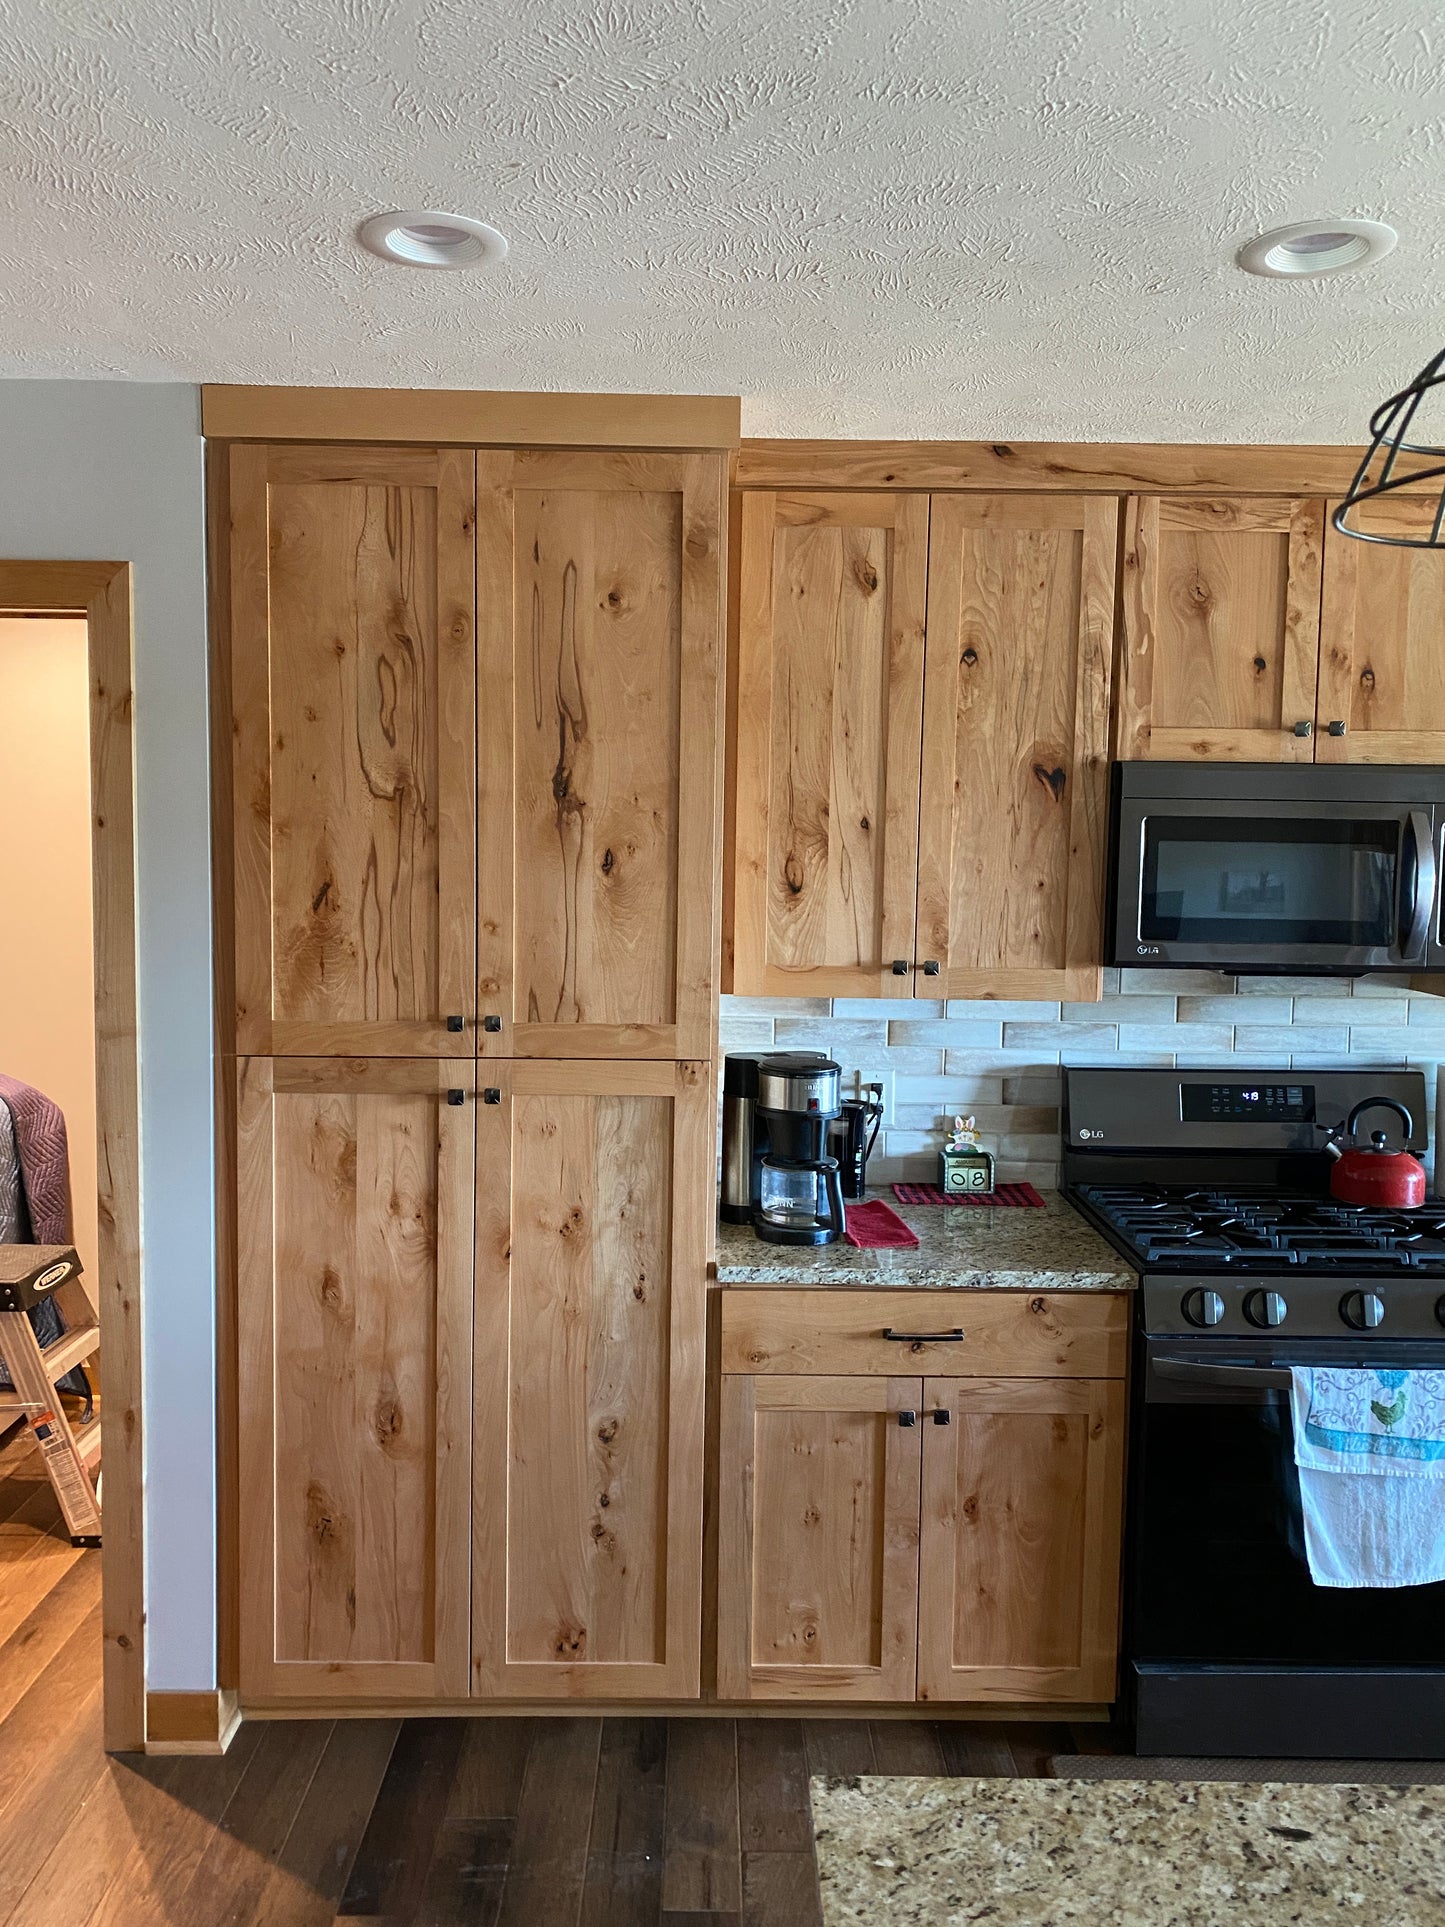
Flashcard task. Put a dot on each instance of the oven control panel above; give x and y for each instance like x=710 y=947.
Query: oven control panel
x=1248 y=1103
x=1363 y=1312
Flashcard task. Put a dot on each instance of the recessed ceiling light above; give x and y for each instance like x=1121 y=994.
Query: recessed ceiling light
x=1316 y=247
x=424 y=238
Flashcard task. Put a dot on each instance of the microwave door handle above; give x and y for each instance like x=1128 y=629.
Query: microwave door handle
x=1414 y=939
x=1194 y=1371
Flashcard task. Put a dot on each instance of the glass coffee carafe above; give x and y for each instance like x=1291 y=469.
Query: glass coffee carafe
x=800 y=1200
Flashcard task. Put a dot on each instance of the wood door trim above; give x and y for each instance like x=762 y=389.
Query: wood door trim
x=499 y=417
x=102 y=593
x=1074 y=468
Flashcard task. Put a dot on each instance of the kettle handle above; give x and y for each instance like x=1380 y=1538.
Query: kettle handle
x=1380 y=1104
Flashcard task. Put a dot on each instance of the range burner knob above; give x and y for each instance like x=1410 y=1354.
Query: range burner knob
x=1364 y=1310
x=1265 y=1308
x=1203 y=1307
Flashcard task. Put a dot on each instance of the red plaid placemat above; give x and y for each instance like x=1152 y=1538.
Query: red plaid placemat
x=1001 y=1194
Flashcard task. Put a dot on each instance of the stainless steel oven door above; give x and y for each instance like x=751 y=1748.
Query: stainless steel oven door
x=1230 y=883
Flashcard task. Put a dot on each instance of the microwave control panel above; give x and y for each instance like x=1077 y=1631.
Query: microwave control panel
x=1236 y=1103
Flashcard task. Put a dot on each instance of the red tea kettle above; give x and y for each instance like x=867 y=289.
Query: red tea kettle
x=1377 y=1175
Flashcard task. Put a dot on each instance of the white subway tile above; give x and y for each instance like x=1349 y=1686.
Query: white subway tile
x=1315 y=1011
x=1034 y=1087
x=1042 y=1176
x=1262 y=1043
x=1136 y=1058
x=1230 y=1010
x=822 y=1033
x=744 y=1034
x=1380 y=987
x=1001 y=1010
x=966 y=1063
x=949 y=1090
x=1293 y=987
x=1175 y=983
x=775 y=1006
x=888 y=1007
x=1122 y=1010
x=1386 y=1043
x=1060 y=1037
x=912 y=1062
x=950 y=1035
x=1426 y=1013
x=904 y=1144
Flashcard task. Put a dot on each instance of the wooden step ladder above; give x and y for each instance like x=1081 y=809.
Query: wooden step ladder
x=29 y=1275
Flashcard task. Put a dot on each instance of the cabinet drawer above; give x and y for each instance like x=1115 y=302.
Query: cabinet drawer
x=1005 y=1334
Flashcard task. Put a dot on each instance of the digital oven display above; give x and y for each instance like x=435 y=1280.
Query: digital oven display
x=1269 y=1103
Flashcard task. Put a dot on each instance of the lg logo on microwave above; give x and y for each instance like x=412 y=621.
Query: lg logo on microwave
x=1146 y=950
x=1086 y=1133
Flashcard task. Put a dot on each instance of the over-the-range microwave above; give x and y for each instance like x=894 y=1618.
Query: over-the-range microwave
x=1260 y=867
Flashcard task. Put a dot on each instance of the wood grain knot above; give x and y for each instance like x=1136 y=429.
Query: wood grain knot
x=320 y=898
x=793 y=874
x=1260 y=665
x=1002 y=450
x=1367 y=680
x=1061 y=1430
x=866 y=577
x=969 y=1508
x=970 y=657
x=609 y=863
x=324 y=1522
x=607 y=1431
x=603 y=1537
x=387 y=1424
x=1199 y=593
x=330 y=1289
x=1053 y=780
x=570 y=1642
x=1038 y=1304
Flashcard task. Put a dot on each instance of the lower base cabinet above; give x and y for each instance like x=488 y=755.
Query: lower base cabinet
x=940 y=1539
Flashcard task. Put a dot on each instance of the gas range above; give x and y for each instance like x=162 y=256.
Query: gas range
x=1216 y=1188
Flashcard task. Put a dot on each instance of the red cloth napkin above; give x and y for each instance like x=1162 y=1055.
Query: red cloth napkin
x=876 y=1226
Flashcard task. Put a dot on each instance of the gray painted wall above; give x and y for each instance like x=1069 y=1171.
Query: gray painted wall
x=112 y=471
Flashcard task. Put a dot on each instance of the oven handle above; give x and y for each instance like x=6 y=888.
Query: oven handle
x=1193 y=1371
x=1414 y=940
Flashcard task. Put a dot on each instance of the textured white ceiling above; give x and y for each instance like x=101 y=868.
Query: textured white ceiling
x=976 y=218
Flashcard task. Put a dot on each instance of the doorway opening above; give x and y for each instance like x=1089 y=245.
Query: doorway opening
x=69 y=1139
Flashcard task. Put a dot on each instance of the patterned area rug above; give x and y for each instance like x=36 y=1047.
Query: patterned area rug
x=1139 y=1853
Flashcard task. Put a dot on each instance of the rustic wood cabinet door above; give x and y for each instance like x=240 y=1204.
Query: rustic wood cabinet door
x=1221 y=629
x=822 y=871
x=1382 y=643
x=600 y=689
x=1015 y=745
x=1023 y=1494
x=818 y=1538
x=594 y=1213
x=353 y=651
x=355 y=1273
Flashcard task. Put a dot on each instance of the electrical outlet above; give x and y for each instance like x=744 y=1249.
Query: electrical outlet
x=871 y=1082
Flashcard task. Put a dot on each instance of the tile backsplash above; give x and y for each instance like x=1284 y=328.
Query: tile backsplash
x=1001 y=1061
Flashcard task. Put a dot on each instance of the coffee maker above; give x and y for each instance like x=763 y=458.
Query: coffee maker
x=777 y=1174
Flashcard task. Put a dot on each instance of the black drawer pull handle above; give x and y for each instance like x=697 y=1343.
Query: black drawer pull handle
x=923 y=1338
x=942 y=1416
x=907 y=1418
x=900 y=966
x=456 y=1097
x=493 y=1023
x=491 y=1095
x=456 y=1023
x=931 y=966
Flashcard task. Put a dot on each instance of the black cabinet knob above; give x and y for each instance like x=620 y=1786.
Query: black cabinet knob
x=942 y=1416
x=900 y=966
x=492 y=1023
x=456 y=1097
x=931 y=967
x=906 y=1419
x=491 y=1095
x=1304 y=729
x=1337 y=728
x=456 y=1023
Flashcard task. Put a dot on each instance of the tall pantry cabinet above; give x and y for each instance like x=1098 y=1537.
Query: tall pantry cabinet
x=476 y=702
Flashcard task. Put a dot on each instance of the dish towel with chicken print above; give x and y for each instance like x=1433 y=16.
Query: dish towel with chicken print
x=1370 y=1448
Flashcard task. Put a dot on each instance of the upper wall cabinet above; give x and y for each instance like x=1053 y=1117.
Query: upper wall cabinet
x=392 y=897
x=1382 y=659
x=922 y=697
x=1221 y=629
x=829 y=698
x=1015 y=744
x=599 y=689
x=352 y=598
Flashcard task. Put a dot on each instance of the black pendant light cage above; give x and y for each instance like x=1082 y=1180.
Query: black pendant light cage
x=1382 y=473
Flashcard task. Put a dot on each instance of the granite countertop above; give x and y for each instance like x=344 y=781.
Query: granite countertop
x=1135 y=1853
x=963 y=1247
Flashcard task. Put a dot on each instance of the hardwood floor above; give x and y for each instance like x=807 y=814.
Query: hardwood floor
x=570 y=1822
